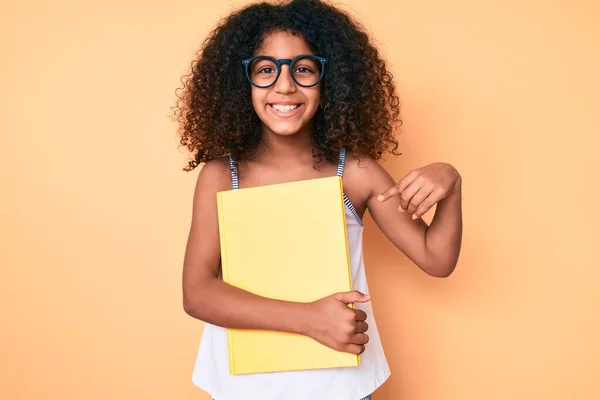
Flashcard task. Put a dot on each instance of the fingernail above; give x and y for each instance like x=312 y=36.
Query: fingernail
x=414 y=217
x=380 y=197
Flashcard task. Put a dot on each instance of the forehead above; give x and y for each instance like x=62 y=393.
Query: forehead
x=283 y=44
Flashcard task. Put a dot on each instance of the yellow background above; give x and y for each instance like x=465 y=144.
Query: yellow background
x=95 y=209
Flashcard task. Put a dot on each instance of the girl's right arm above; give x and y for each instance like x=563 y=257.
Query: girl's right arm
x=208 y=298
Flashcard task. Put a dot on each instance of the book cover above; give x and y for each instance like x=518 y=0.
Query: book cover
x=284 y=241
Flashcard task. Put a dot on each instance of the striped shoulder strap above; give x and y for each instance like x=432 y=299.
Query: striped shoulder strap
x=340 y=173
x=341 y=162
x=235 y=181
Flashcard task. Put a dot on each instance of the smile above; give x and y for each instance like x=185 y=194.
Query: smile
x=284 y=110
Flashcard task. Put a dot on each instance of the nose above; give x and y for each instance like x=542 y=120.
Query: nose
x=285 y=84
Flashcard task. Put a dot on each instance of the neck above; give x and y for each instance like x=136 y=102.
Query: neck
x=296 y=147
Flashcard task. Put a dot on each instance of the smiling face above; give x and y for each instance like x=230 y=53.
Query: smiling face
x=285 y=108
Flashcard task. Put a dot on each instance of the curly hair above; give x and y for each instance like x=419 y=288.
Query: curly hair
x=360 y=108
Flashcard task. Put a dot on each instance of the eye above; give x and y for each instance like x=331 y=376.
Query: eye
x=304 y=70
x=263 y=67
x=266 y=70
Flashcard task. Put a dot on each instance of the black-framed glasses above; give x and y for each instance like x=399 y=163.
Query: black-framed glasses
x=307 y=70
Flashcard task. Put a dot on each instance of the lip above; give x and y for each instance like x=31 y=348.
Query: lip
x=288 y=114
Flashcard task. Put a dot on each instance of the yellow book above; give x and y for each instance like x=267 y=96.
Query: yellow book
x=285 y=241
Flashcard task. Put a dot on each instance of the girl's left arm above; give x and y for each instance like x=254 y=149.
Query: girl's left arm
x=397 y=207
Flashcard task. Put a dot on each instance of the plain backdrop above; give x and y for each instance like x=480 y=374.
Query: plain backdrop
x=95 y=207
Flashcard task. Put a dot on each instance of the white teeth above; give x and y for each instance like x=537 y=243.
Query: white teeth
x=284 y=108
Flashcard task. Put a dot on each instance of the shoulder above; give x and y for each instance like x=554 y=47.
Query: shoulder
x=361 y=164
x=214 y=176
x=366 y=176
x=366 y=169
x=217 y=167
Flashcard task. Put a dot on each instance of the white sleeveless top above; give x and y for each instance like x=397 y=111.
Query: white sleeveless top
x=211 y=372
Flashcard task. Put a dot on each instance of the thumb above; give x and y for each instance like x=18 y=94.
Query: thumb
x=353 y=297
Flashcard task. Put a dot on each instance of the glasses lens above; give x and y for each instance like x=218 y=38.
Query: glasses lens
x=262 y=72
x=307 y=71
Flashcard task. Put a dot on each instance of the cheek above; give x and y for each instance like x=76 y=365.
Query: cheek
x=257 y=97
x=314 y=99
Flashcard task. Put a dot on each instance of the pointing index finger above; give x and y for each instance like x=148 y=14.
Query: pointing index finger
x=388 y=193
x=398 y=187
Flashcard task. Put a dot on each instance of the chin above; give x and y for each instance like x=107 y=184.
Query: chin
x=285 y=131
x=283 y=127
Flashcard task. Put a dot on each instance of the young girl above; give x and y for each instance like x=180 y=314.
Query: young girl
x=289 y=92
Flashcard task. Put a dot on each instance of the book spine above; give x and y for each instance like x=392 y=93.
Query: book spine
x=350 y=285
x=225 y=272
x=343 y=208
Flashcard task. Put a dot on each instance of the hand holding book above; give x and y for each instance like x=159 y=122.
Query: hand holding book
x=335 y=325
